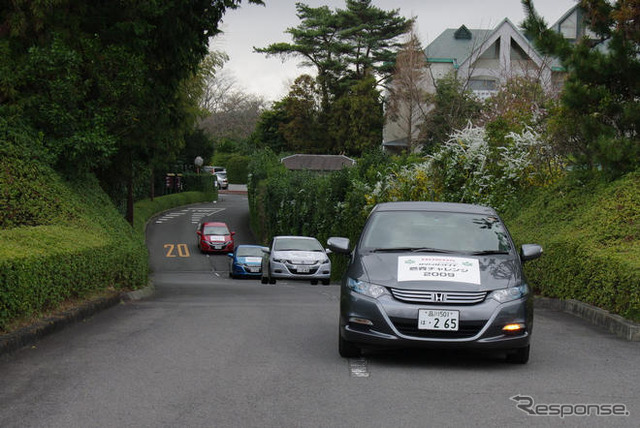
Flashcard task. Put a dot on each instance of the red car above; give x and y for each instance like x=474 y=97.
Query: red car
x=214 y=237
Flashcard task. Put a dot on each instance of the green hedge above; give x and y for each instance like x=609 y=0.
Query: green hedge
x=590 y=232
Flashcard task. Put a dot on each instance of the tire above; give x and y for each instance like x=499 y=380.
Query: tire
x=325 y=282
x=347 y=349
x=272 y=280
x=519 y=355
x=264 y=280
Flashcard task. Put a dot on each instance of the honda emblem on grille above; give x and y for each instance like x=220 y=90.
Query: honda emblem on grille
x=439 y=297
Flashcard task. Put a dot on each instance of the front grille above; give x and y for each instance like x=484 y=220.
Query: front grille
x=409 y=327
x=439 y=297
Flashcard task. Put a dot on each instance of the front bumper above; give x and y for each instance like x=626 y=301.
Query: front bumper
x=386 y=322
x=216 y=247
x=246 y=270
x=286 y=270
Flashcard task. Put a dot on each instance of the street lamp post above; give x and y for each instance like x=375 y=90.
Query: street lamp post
x=198 y=163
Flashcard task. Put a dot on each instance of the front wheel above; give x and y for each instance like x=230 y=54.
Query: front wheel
x=519 y=356
x=347 y=349
x=264 y=279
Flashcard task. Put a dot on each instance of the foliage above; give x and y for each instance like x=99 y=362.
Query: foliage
x=600 y=113
x=453 y=108
x=113 y=95
x=589 y=231
x=345 y=45
x=356 y=119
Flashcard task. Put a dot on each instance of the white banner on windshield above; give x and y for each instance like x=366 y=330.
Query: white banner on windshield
x=438 y=268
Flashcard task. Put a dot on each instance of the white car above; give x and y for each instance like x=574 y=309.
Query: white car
x=297 y=258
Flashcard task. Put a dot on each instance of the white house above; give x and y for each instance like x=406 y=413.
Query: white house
x=484 y=59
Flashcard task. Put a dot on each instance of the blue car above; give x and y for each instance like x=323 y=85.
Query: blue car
x=246 y=261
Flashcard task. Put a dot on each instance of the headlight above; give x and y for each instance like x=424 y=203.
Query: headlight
x=278 y=260
x=509 y=294
x=365 y=288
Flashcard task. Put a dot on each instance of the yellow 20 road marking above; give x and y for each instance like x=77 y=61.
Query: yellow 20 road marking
x=182 y=250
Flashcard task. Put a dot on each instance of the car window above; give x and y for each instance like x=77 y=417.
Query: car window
x=297 y=244
x=438 y=230
x=215 y=230
x=248 y=252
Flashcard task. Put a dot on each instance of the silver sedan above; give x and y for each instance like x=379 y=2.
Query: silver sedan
x=297 y=258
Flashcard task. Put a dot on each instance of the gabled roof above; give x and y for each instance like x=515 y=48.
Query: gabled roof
x=317 y=162
x=447 y=48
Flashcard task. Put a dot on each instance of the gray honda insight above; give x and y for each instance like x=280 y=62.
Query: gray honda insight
x=435 y=275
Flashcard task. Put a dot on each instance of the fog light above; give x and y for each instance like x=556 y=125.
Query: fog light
x=362 y=321
x=513 y=328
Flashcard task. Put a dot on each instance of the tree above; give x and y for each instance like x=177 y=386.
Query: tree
x=600 y=114
x=104 y=84
x=453 y=108
x=407 y=104
x=357 y=120
x=344 y=45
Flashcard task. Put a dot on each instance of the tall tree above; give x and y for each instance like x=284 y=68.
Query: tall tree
x=600 y=114
x=344 y=46
x=105 y=84
x=407 y=104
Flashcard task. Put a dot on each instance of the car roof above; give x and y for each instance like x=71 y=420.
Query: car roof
x=434 y=206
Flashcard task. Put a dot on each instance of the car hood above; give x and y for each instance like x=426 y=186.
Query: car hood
x=437 y=272
x=299 y=257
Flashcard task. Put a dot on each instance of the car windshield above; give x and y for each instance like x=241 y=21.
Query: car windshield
x=249 y=252
x=221 y=174
x=215 y=230
x=296 y=244
x=430 y=231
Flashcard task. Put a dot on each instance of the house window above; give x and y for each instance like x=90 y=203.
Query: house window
x=482 y=84
x=517 y=53
x=492 y=52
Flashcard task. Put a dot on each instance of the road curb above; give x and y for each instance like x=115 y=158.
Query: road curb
x=613 y=323
x=29 y=335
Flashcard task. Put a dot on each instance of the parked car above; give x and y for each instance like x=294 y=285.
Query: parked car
x=222 y=181
x=246 y=261
x=298 y=258
x=435 y=275
x=215 y=237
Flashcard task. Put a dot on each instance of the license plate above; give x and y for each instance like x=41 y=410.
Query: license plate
x=254 y=269
x=217 y=247
x=302 y=269
x=438 y=319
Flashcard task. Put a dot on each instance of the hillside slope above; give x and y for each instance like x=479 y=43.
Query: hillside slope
x=590 y=232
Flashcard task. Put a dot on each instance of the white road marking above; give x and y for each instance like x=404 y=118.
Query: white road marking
x=358 y=367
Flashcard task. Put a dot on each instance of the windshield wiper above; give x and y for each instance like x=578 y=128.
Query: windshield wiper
x=410 y=250
x=488 y=252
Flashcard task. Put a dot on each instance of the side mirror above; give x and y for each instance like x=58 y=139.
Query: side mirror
x=328 y=251
x=338 y=245
x=199 y=233
x=233 y=233
x=266 y=250
x=530 y=252
x=230 y=255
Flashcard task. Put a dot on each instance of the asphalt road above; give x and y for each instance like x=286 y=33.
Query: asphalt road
x=208 y=351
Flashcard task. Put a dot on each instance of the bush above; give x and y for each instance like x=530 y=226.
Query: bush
x=590 y=235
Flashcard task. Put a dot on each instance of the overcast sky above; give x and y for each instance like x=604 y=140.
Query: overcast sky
x=259 y=26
